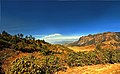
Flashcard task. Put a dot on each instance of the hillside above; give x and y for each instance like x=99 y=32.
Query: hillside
x=107 y=40
x=18 y=46
x=21 y=54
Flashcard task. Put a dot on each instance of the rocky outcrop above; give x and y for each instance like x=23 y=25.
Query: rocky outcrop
x=104 y=39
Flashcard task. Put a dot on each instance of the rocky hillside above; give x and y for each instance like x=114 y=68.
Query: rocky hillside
x=106 y=40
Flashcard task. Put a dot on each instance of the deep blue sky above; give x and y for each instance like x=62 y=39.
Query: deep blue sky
x=65 y=17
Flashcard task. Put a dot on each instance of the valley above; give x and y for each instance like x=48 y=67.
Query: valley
x=92 y=54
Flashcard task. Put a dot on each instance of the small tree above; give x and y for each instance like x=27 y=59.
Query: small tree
x=4 y=33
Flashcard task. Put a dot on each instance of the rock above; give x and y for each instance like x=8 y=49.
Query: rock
x=105 y=39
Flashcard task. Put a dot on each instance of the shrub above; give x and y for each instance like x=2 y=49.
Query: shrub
x=93 y=57
x=26 y=65
x=32 y=65
x=4 y=44
x=114 y=56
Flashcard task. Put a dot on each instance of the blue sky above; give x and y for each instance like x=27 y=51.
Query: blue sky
x=43 y=18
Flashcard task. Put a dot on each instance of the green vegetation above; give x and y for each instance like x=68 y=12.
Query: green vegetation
x=49 y=62
x=47 y=58
x=18 y=42
x=93 y=57
x=32 y=65
x=25 y=65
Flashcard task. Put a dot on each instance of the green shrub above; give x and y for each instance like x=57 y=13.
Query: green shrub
x=114 y=56
x=32 y=65
x=93 y=57
x=28 y=65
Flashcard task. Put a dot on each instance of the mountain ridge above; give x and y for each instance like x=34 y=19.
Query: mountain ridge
x=105 y=40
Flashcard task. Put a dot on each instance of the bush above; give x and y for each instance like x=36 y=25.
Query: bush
x=53 y=64
x=93 y=57
x=4 y=44
x=26 y=65
x=114 y=56
x=32 y=65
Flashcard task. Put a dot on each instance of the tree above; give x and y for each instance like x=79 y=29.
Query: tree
x=21 y=35
x=32 y=38
x=4 y=33
x=26 y=37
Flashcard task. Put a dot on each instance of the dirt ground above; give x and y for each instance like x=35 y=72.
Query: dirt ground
x=82 y=48
x=94 y=69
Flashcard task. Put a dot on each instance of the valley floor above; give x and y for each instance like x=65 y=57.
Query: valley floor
x=82 y=48
x=94 y=69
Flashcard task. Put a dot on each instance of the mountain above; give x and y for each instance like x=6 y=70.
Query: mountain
x=105 y=40
x=63 y=42
x=21 y=54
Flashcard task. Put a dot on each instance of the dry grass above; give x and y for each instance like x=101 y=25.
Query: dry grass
x=82 y=48
x=95 y=69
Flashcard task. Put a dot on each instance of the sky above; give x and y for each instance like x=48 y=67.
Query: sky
x=59 y=20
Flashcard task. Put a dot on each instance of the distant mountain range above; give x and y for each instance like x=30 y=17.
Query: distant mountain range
x=106 y=40
x=63 y=42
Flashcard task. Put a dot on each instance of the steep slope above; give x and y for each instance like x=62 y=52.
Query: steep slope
x=106 y=40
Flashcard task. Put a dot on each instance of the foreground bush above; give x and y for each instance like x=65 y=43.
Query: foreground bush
x=93 y=57
x=26 y=65
x=32 y=65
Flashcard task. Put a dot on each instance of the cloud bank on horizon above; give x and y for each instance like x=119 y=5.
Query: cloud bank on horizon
x=57 y=38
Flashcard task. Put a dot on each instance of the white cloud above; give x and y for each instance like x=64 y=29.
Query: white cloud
x=53 y=35
x=54 y=38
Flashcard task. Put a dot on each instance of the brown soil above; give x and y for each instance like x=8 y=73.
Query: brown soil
x=94 y=69
x=82 y=48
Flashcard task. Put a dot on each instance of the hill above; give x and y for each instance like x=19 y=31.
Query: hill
x=21 y=54
x=18 y=46
x=107 y=40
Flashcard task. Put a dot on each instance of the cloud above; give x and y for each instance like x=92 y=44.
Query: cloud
x=56 y=38
x=53 y=35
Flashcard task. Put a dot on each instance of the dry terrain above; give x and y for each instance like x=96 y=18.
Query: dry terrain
x=82 y=48
x=22 y=55
x=95 y=69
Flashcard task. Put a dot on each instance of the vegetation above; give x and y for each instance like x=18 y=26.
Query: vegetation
x=47 y=58
x=49 y=62
x=32 y=65
x=93 y=57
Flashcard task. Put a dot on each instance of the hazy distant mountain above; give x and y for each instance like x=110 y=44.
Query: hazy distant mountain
x=63 y=42
x=106 y=40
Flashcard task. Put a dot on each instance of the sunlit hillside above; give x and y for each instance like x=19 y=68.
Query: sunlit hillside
x=95 y=69
x=107 y=40
x=21 y=54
